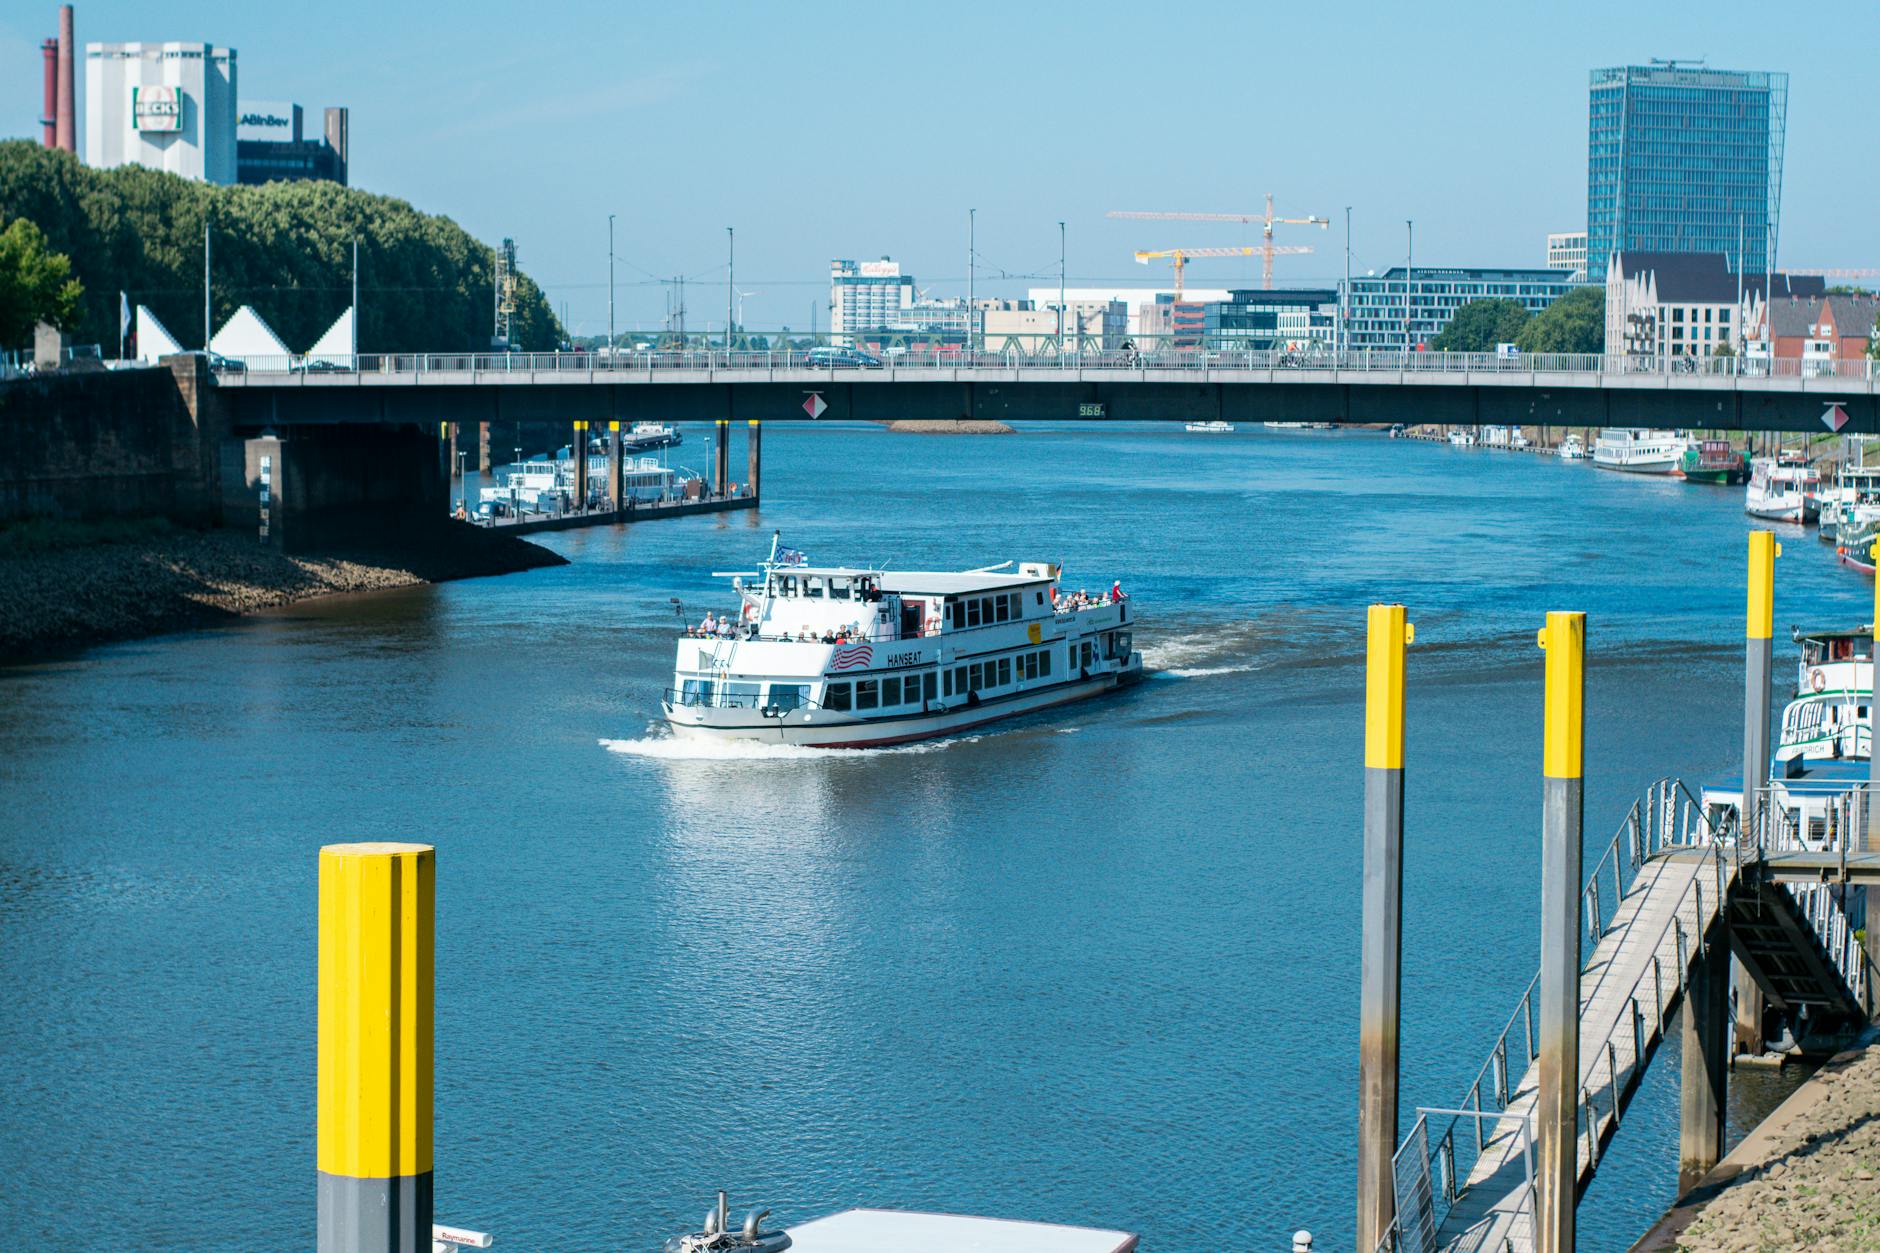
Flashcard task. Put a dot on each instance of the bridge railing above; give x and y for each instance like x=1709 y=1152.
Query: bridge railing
x=1142 y=354
x=1666 y=816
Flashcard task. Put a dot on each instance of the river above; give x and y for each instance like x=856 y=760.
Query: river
x=1100 y=967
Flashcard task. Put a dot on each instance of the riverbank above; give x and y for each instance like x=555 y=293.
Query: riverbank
x=947 y=426
x=1807 y=1178
x=69 y=591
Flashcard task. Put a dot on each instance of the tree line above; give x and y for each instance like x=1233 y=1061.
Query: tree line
x=1576 y=322
x=286 y=248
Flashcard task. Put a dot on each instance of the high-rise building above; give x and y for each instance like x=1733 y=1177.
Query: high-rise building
x=867 y=296
x=1681 y=158
x=271 y=146
x=1283 y=319
x=170 y=106
x=1566 y=250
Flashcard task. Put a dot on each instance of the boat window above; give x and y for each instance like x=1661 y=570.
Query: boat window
x=696 y=692
x=787 y=696
x=1028 y=666
x=836 y=696
x=946 y=683
x=1018 y=604
x=813 y=587
x=1044 y=663
x=972 y=612
x=740 y=695
x=1001 y=609
x=956 y=613
x=959 y=681
x=1005 y=671
x=1037 y=598
x=974 y=675
x=867 y=694
x=927 y=682
x=839 y=587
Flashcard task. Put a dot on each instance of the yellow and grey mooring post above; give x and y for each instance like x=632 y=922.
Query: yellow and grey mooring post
x=580 y=465
x=377 y=985
x=1382 y=977
x=1758 y=656
x=614 y=457
x=1563 y=743
x=1872 y=922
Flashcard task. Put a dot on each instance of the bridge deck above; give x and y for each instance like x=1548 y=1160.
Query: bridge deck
x=1617 y=990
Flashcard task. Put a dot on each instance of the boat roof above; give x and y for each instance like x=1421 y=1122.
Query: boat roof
x=1809 y=776
x=909 y=1231
x=950 y=583
x=1831 y=633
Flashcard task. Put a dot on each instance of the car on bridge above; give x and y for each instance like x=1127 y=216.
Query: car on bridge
x=835 y=358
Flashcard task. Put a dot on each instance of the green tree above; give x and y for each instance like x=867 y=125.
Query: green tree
x=1574 y=323
x=1723 y=350
x=1480 y=325
x=285 y=248
x=36 y=285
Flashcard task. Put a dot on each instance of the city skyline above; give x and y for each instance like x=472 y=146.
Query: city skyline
x=858 y=134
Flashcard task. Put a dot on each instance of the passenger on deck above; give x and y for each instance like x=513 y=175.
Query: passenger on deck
x=709 y=626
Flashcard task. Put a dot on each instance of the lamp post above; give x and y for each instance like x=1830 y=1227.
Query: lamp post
x=972 y=272
x=1409 y=269
x=610 y=289
x=731 y=270
x=1060 y=320
x=1344 y=313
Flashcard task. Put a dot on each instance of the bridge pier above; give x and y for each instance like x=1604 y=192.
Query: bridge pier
x=456 y=466
x=1557 y=1104
x=343 y=483
x=483 y=448
x=1703 y=1086
x=721 y=456
x=756 y=456
x=1382 y=978
x=1759 y=647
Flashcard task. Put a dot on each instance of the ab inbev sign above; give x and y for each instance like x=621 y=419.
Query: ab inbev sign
x=156 y=108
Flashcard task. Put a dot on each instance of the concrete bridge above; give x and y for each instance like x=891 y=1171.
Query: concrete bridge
x=1163 y=383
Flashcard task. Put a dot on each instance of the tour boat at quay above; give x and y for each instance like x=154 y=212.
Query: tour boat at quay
x=1215 y=427
x=854 y=657
x=1639 y=451
x=1572 y=448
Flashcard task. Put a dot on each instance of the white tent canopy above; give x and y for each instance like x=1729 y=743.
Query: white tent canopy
x=246 y=335
x=153 y=339
x=336 y=346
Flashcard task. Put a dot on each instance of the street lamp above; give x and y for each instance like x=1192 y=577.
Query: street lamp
x=610 y=289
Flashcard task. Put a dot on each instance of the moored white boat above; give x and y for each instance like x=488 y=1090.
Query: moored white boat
x=1780 y=488
x=853 y=657
x=1211 y=428
x=1572 y=448
x=1459 y=438
x=1639 y=451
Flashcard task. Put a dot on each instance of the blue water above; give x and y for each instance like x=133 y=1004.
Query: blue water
x=1098 y=968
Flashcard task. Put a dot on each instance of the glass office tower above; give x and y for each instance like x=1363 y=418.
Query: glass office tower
x=1677 y=156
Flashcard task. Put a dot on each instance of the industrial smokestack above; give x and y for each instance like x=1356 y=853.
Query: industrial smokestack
x=49 y=106
x=67 y=120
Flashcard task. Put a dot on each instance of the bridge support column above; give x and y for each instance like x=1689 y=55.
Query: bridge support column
x=757 y=456
x=615 y=454
x=483 y=448
x=456 y=471
x=1703 y=1084
x=1759 y=647
x=1382 y=980
x=1556 y=1113
x=721 y=456
x=377 y=994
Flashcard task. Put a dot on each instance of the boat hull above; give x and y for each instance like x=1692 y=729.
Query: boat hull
x=812 y=729
x=1665 y=466
x=1724 y=477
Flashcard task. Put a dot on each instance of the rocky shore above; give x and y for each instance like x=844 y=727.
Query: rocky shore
x=1808 y=1178
x=62 y=597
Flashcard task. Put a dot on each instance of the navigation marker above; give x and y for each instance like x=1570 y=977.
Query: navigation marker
x=1834 y=417
x=816 y=406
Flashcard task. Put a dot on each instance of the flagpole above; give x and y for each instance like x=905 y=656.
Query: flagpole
x=124 y=316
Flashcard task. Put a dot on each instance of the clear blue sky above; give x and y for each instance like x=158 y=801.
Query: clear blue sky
x=848 y=130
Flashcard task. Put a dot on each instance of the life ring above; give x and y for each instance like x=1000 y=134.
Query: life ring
x=1817 y=681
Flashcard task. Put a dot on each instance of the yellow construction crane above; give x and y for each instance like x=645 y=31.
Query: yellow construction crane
x=1267 y=249
x=1180 y=256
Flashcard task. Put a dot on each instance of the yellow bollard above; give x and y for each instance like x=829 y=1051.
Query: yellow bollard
x=1381 y=980
x=377 y=995
x=1562 y=751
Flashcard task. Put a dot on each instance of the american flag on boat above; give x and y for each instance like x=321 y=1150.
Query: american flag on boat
x=791 y=557
x=853 y=657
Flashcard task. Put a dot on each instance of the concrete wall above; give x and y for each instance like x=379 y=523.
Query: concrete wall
x=347 y=484
x=98 y=443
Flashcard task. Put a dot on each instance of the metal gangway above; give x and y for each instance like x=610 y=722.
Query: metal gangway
x=1464 y=1178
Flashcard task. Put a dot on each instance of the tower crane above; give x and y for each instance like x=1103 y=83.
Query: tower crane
x=1181 y=257
x=1266 y=221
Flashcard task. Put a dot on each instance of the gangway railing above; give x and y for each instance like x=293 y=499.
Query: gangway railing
x=1415 y=1171
x=1667 y=816
x=1785 y=826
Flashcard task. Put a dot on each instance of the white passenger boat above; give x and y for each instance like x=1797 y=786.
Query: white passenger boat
x=1461 y=439
x=1639 y=451
x=1856 y=492
x=1780 y=488
x=853 y=657
x=1572 y=448
x=1211 y=428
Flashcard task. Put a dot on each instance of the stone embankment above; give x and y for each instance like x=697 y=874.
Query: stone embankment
x=1807 y=1178
x=62 y=596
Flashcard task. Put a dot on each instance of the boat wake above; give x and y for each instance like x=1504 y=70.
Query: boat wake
x=671 y=748
x=1225 y=649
